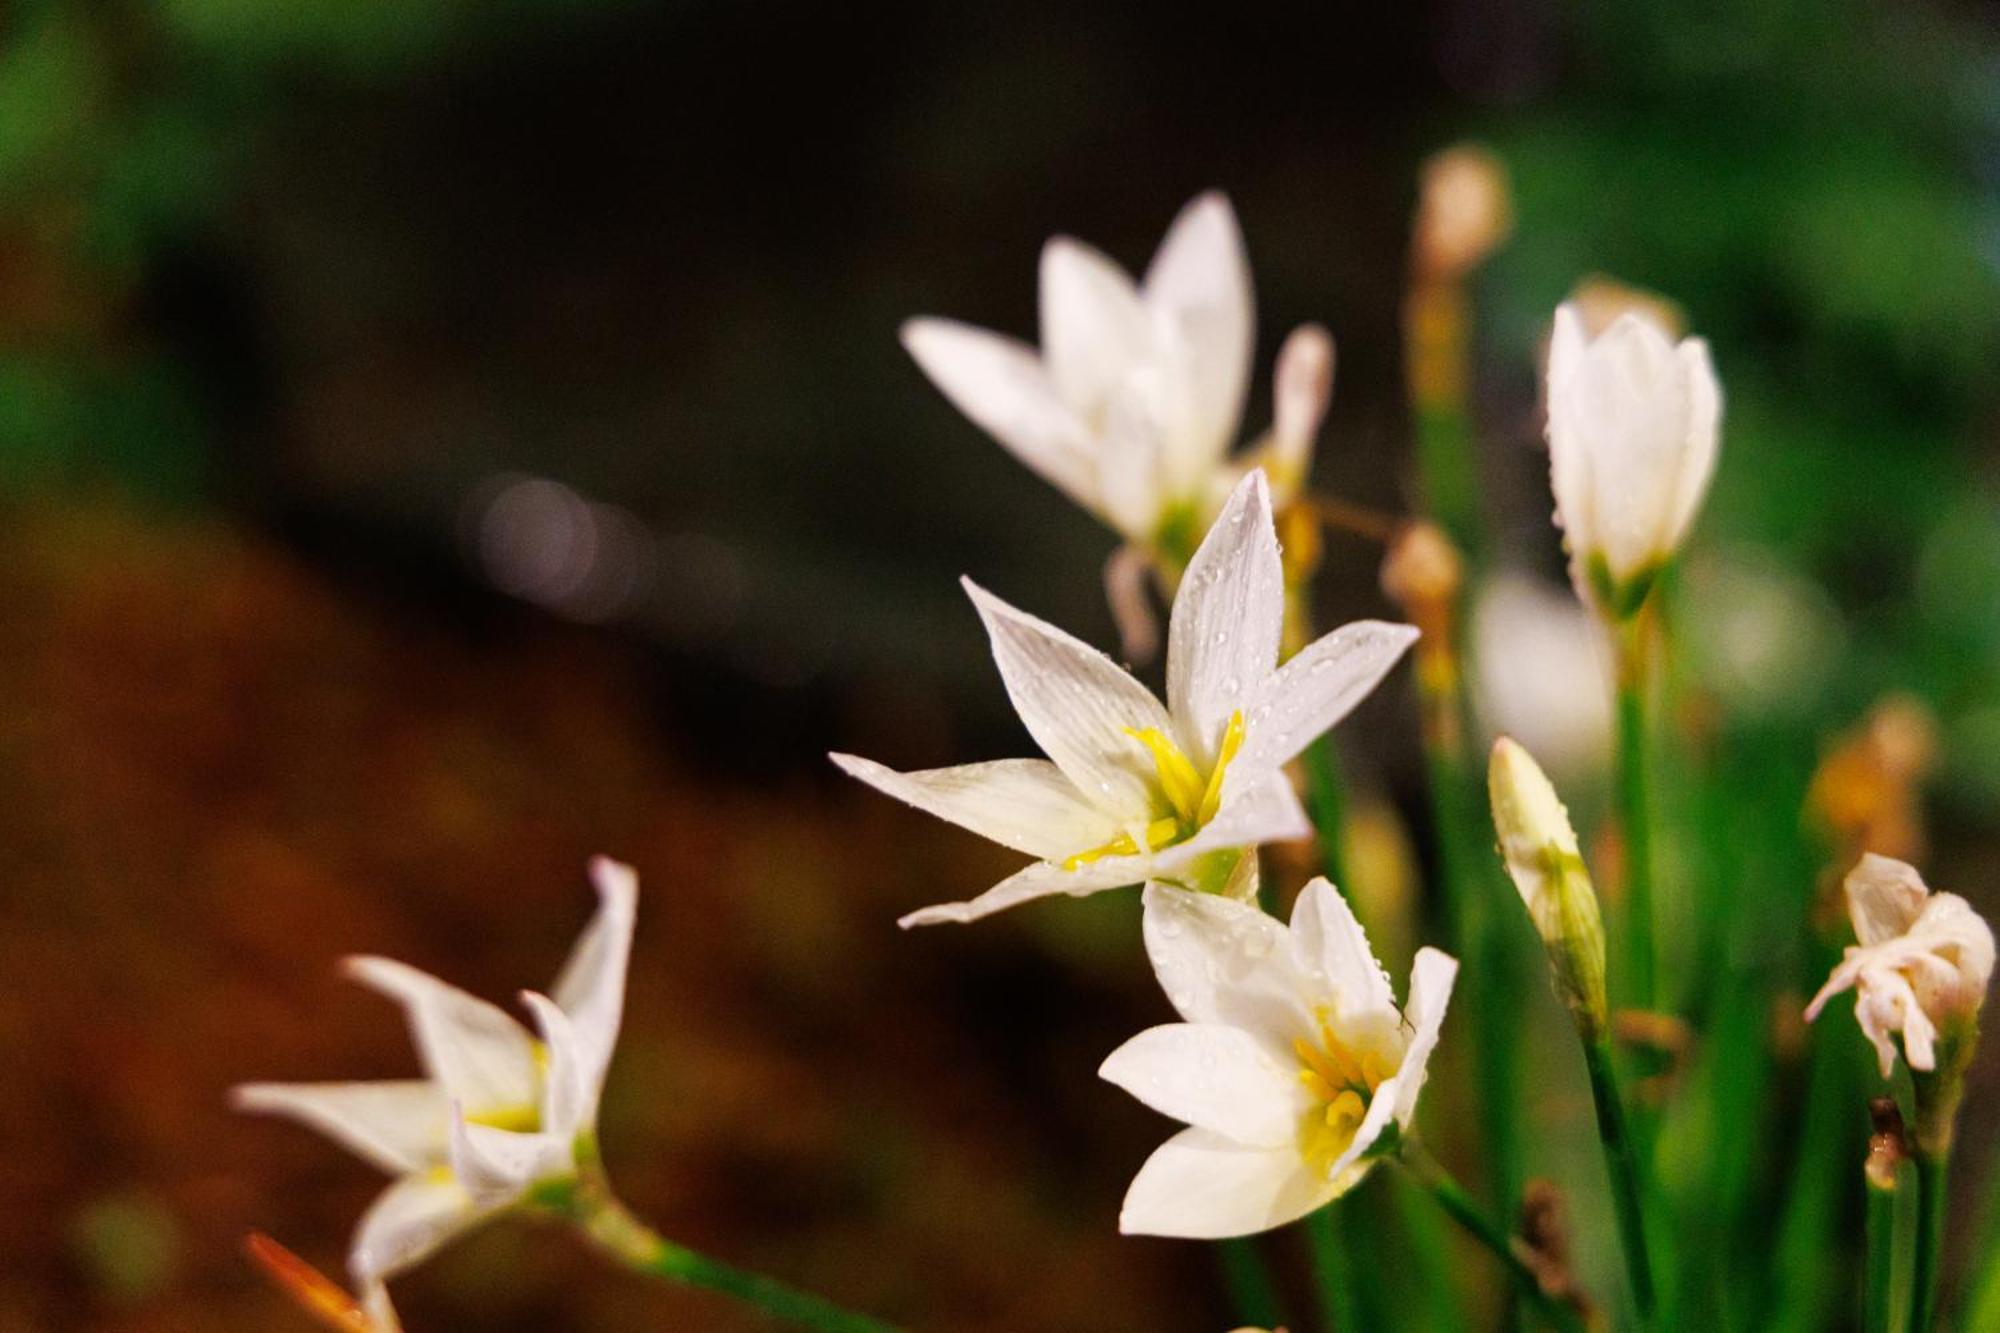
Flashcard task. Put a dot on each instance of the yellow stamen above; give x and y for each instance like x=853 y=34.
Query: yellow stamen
x=1191 y=798
x=1232 y=741
x=1179 y=778
x=1341 y=1082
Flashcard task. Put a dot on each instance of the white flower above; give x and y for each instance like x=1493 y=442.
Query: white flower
x=1543 y=671
x=1633 y=424
x=1294 y=1069
x=1132 y=403
x=1921 y=966
x=498 y=1111
x=1133 y=790
x=1539 y=847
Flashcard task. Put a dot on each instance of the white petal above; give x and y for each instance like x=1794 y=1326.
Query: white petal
x=1884 y=898
x=1202 y=1186
x=1198 y=289
x=591 y=986
x=399 y=1125
x=569 y=1093
x=1329 y=941
x=1569 y=448
x=1228 y=617
x=1212 y=1077
x=1431 y=977
x=407 y=1223
x=480 y=1056
x=1095 y=331
x=1077 y=704
x=1132 y=455
x=1003 y=388
x=1221 y=961
x=1317 y=688
x=496 y=1166
x=1025 y=804
x=1704 y=422
x=1043 y=879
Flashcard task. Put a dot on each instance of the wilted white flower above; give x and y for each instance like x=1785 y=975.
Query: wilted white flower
x=1921 y=966
x=498 y=1112
x=1133 y=790
x=1294 y=1069
x=1633 y=426
x=1136 y=395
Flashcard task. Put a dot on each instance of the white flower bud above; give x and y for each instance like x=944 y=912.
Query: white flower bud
x=1540 y=848
x=1633 y=424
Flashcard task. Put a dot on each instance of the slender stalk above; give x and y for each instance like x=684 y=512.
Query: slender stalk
x=613 y=1228
x=1879 y=1311
x=1462 y=1209
x=1326 y=797
x=1931 y=1168
x=1333 y=1272
x=1635 y=810
x=1621 y=1160
x=1253 y=1294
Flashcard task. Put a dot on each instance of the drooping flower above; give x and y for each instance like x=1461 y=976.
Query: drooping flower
x=1132 y=789
x=1294 y=1069
x=1921 y=966
x=498 y=1113
x=1633 y=427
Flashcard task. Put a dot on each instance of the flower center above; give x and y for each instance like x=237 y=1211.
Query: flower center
x=519 y=1119
x=1341 y=1081
x=1190 y=797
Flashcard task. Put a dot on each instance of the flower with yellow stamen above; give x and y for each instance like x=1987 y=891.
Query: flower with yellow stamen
x=1294 y=1068
x=1134 y=790
x=498 y=1112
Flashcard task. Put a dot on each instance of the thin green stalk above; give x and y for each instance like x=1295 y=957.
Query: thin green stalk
x=1982 y=1305
x=1253 y=1294
x=1621 y=1159
x=1635 y=812
x=1462 y=1209
x=1333 y=1272
x=1932 y=1165
x=1880 y=1312
x=1326 y=797
x=630 y=1242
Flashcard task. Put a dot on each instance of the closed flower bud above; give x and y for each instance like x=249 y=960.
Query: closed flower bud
x=1540 y=849
x=1633 y=427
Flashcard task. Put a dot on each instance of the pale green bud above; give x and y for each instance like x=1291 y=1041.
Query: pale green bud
x=1540 y=850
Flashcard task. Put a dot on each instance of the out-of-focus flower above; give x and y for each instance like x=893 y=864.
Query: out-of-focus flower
x=1133 y=401
x=1540 y=849
x=1463 y=211
x=1542 y=672
x=1294 y=1070
x=1633 y=427
x=1921 y=967
x=1133 y=790
x=498 y=1112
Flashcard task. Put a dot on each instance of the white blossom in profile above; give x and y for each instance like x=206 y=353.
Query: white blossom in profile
x=1634 y=421
x=1294 y=1069
x=1133 y=789
x=499 y=1111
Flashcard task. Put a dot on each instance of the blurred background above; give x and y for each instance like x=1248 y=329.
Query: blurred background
x=441 y=440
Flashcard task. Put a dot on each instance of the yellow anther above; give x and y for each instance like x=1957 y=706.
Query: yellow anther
x=1122 y=845
x=518 y=1119
x=1232 y=741
x=1179 y=779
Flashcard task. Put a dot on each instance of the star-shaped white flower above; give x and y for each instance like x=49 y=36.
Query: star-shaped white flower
x=1133 y=790
x=1135 y=396
x=1634 y=421
x=1922 y=964
x=498 y=1111
x=1294 y=1070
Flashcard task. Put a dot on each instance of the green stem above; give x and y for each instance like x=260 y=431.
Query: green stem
x=1621 y=1160
x=1635 y=814
x=1462 y=1209
x=1252 y=1292
x=1327 y=800
x=630 y=1242
x=1931 y=1167
x=1333 y=1272
x=1879 y=1312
